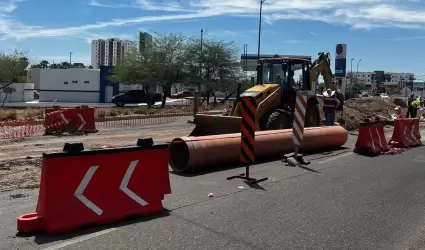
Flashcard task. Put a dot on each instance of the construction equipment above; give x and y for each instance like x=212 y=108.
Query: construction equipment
x=275 y=95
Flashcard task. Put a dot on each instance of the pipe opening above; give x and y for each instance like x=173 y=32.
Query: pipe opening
x=179 y=155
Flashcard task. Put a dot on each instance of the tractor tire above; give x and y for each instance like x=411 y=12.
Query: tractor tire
x=277 y=120
x=312 y=116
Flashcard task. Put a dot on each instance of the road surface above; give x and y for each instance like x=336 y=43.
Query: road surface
x=341 y=201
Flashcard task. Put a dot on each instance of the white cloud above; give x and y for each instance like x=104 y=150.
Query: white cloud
x=360 y=14
x=141 y=4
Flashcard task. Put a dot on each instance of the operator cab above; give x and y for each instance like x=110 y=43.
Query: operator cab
x=281 y=70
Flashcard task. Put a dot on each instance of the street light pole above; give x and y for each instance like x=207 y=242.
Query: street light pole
x=198 y=93
x=259 y=37
x=357 y=72
x=351 y=77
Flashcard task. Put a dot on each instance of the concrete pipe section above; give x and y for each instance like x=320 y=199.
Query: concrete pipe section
x=194 y=153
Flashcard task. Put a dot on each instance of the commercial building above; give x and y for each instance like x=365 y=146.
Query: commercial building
x=108 y=52
x=145 y=41
x=389 y=79
x=66 y=85
x=77 y=85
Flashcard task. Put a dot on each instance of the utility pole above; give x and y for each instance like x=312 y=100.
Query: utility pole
x=198 y=94
x=259 y=37
x=70 y=58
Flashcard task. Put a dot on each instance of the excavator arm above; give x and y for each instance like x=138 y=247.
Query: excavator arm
x=322 y=66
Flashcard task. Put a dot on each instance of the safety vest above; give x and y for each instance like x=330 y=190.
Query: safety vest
x=329 y=104
x=416 y=103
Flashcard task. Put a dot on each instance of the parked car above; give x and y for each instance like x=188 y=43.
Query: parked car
x=181 y=94
x=135 y=97
x=384 y=96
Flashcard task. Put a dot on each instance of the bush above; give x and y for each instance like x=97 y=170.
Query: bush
x=8 y=114
x=400 y=102
x=100 y=113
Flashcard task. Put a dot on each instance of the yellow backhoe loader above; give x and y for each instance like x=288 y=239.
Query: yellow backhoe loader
x=275 y=95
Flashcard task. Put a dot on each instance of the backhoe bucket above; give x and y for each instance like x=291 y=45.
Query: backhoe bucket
x=216 y=125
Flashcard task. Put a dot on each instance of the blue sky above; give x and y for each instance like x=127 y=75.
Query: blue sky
x=386 y=34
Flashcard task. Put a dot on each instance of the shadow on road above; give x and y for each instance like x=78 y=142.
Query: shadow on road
x=42 y=238
x=218 y=168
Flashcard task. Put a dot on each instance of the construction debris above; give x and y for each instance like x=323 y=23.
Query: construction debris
x=359 y=110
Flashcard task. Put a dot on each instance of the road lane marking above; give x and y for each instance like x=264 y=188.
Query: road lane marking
x=336 y=157
x=80 y=239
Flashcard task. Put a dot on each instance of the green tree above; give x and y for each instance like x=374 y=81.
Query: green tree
x=162 y=65
x=219 y=65
x=165 y=62
x=44 y=64
x=132 y=71
x=64 y=65
x=12 y=66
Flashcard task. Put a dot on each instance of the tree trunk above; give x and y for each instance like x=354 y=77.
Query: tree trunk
x=149 y=97
x=4 y=100
x=164 y=96
x=215 y=98
x=208 y=95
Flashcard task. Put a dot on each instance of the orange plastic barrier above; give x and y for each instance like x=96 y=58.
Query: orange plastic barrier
x=84 y=119
x=371 y=139
x=406 y=133
x=80 y=188
x=57 y=119
x=79 y=119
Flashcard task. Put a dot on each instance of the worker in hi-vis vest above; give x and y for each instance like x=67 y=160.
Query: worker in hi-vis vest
x=330 y=105
x=411 y=109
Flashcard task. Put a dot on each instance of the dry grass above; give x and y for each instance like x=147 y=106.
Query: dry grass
x=8 y=114
x=16 y=114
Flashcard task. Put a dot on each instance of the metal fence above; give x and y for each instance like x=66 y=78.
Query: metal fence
x=106 y=119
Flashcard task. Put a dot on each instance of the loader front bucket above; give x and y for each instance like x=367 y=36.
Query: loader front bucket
x=216 y=125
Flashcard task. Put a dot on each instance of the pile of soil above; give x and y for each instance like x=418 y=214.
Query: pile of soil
x=358 y=109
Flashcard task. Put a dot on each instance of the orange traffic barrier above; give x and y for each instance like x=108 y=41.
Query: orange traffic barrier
x=57 y=119
x=371 y=139
x=406 y=133
x=80 y=188
x=79 y=119
x=84 y=119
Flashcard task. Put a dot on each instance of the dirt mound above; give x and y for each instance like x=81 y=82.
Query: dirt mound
x=358 y=109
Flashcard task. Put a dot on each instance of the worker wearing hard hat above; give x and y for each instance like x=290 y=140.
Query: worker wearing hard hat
x=330 y=105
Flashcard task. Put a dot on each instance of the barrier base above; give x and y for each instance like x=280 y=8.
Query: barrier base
x=245 y=176
x=33 y=222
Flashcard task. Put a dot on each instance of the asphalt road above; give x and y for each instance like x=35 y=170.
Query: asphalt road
x=342 y=201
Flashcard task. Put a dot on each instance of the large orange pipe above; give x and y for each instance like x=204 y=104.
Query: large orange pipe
x=191 y=153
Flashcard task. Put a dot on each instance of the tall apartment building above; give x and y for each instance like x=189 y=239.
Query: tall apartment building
x=108 y=52
x=145 y=41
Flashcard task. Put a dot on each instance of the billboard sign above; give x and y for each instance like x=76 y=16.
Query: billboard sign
x=341 y=60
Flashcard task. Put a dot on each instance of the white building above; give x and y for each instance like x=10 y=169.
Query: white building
x=108 y=52
x=21 y=92
x=390 y=79
x=76 y=85
x=66 y=85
